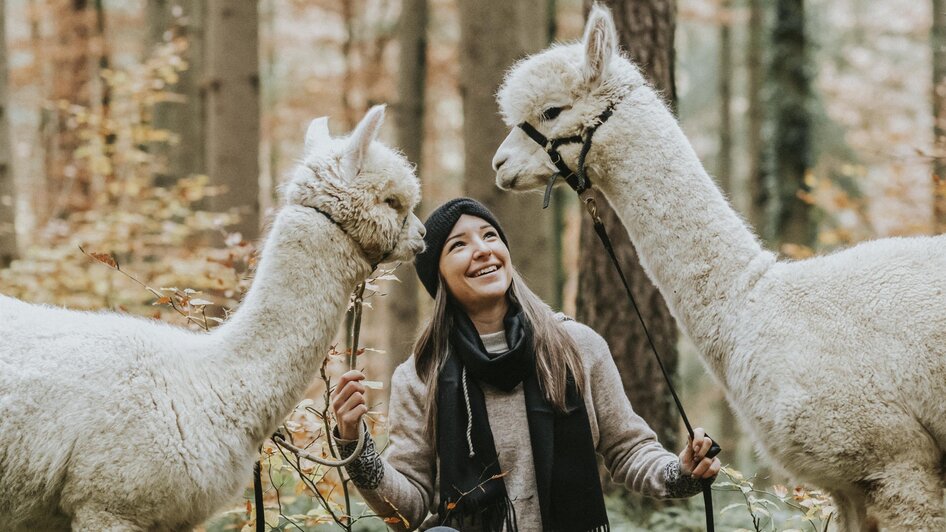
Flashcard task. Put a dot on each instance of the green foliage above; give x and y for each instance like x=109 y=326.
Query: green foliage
x=740 y=504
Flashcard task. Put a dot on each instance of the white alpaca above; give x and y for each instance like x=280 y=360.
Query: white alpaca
x=108 y=422
x=837 y=363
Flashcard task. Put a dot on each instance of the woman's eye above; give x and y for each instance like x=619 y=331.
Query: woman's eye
x=551 y=113
x=455 y=245
x=490 y=234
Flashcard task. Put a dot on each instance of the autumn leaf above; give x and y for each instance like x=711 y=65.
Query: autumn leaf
x=451 y=505
x=163 y=300
x=105 y=258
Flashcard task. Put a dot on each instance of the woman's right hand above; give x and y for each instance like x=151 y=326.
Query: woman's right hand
x=348 y=402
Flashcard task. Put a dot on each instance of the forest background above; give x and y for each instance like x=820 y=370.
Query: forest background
x=142 y=143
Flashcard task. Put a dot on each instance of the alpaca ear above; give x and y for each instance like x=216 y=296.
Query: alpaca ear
x=600 y=43
x=317 y=134
x=366 y=132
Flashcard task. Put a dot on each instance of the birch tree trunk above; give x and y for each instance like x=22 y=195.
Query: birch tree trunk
x=645 y=29
x=8 y=247
x=233 y=109
x=493 y=35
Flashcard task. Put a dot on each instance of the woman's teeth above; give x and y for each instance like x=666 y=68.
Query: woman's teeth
x=486 y=270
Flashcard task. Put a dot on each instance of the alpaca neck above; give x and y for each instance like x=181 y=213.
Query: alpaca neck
x=691 y=243
x=277 y=339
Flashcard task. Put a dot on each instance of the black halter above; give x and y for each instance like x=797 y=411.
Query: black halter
x=580 y=183
x=577 y=180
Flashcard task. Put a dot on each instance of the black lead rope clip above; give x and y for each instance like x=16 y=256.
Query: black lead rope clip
x=548 y=190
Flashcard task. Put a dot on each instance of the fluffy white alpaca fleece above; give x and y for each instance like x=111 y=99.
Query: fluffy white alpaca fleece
x=110 y=422
x=837 y=363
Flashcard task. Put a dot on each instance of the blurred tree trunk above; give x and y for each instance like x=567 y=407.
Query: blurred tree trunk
x=938 y=42
x=493 y=35
x=184 y=116
x=724 y=167
x=646 y=29
x=561 y=198
x=101 y=104
x=233 y=112
x=8 y=248
x=755 y=66
x=412 y=75
x=792 y=221
x=71 y=77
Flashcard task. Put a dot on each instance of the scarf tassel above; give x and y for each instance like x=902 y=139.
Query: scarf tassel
x=499 y=516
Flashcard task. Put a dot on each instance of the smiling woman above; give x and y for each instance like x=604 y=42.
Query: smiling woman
x=496 y=419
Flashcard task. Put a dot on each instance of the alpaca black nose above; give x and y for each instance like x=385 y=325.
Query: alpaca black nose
x=498 y=164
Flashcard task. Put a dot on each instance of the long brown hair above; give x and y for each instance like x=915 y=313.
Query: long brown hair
x=556 y=355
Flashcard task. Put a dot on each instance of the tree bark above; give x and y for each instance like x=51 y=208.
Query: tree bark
x=757 y=191
x=938 y=42
x=493 y=35
x=233 y=109
x=71 y=80
x=412 y=72
x=724 y=159
x=8 y=247
x=791 y=78
x=646 y=29
x=183 y=118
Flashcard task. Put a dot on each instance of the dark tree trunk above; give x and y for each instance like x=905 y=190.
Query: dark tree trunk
x=493 y=35
x=938 y=42
x=791 y=79
x=233 y=109
x=412 y=36
x=724 y=159
x=646 y=29
x=755 y=67
x=8 y=248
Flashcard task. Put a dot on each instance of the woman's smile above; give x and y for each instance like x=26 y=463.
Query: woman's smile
x=475 y=264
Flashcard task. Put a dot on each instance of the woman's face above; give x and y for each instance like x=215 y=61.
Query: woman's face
x=475 y=264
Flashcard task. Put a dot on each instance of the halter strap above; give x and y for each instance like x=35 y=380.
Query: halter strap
x=364 y=254
x=578 y=181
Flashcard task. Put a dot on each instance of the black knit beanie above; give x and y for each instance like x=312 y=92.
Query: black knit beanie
x=438 y=225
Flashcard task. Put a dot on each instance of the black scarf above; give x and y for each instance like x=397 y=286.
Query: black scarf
x=566 y=471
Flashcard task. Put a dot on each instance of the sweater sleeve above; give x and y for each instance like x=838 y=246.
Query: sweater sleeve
x=399 y=485
x=628 y=445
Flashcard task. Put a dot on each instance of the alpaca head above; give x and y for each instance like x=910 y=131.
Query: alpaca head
x=365 y=187
x=561 y=92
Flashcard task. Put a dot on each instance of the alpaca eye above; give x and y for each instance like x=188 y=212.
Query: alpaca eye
x=394 y=203
x=551 y=113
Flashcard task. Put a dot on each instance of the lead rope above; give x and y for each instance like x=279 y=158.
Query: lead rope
x=580 y=183
x=591 y=206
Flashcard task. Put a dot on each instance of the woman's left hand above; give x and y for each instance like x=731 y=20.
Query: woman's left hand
x=693 y=460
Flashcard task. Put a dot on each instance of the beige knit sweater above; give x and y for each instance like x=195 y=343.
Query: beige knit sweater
x=404 y=483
